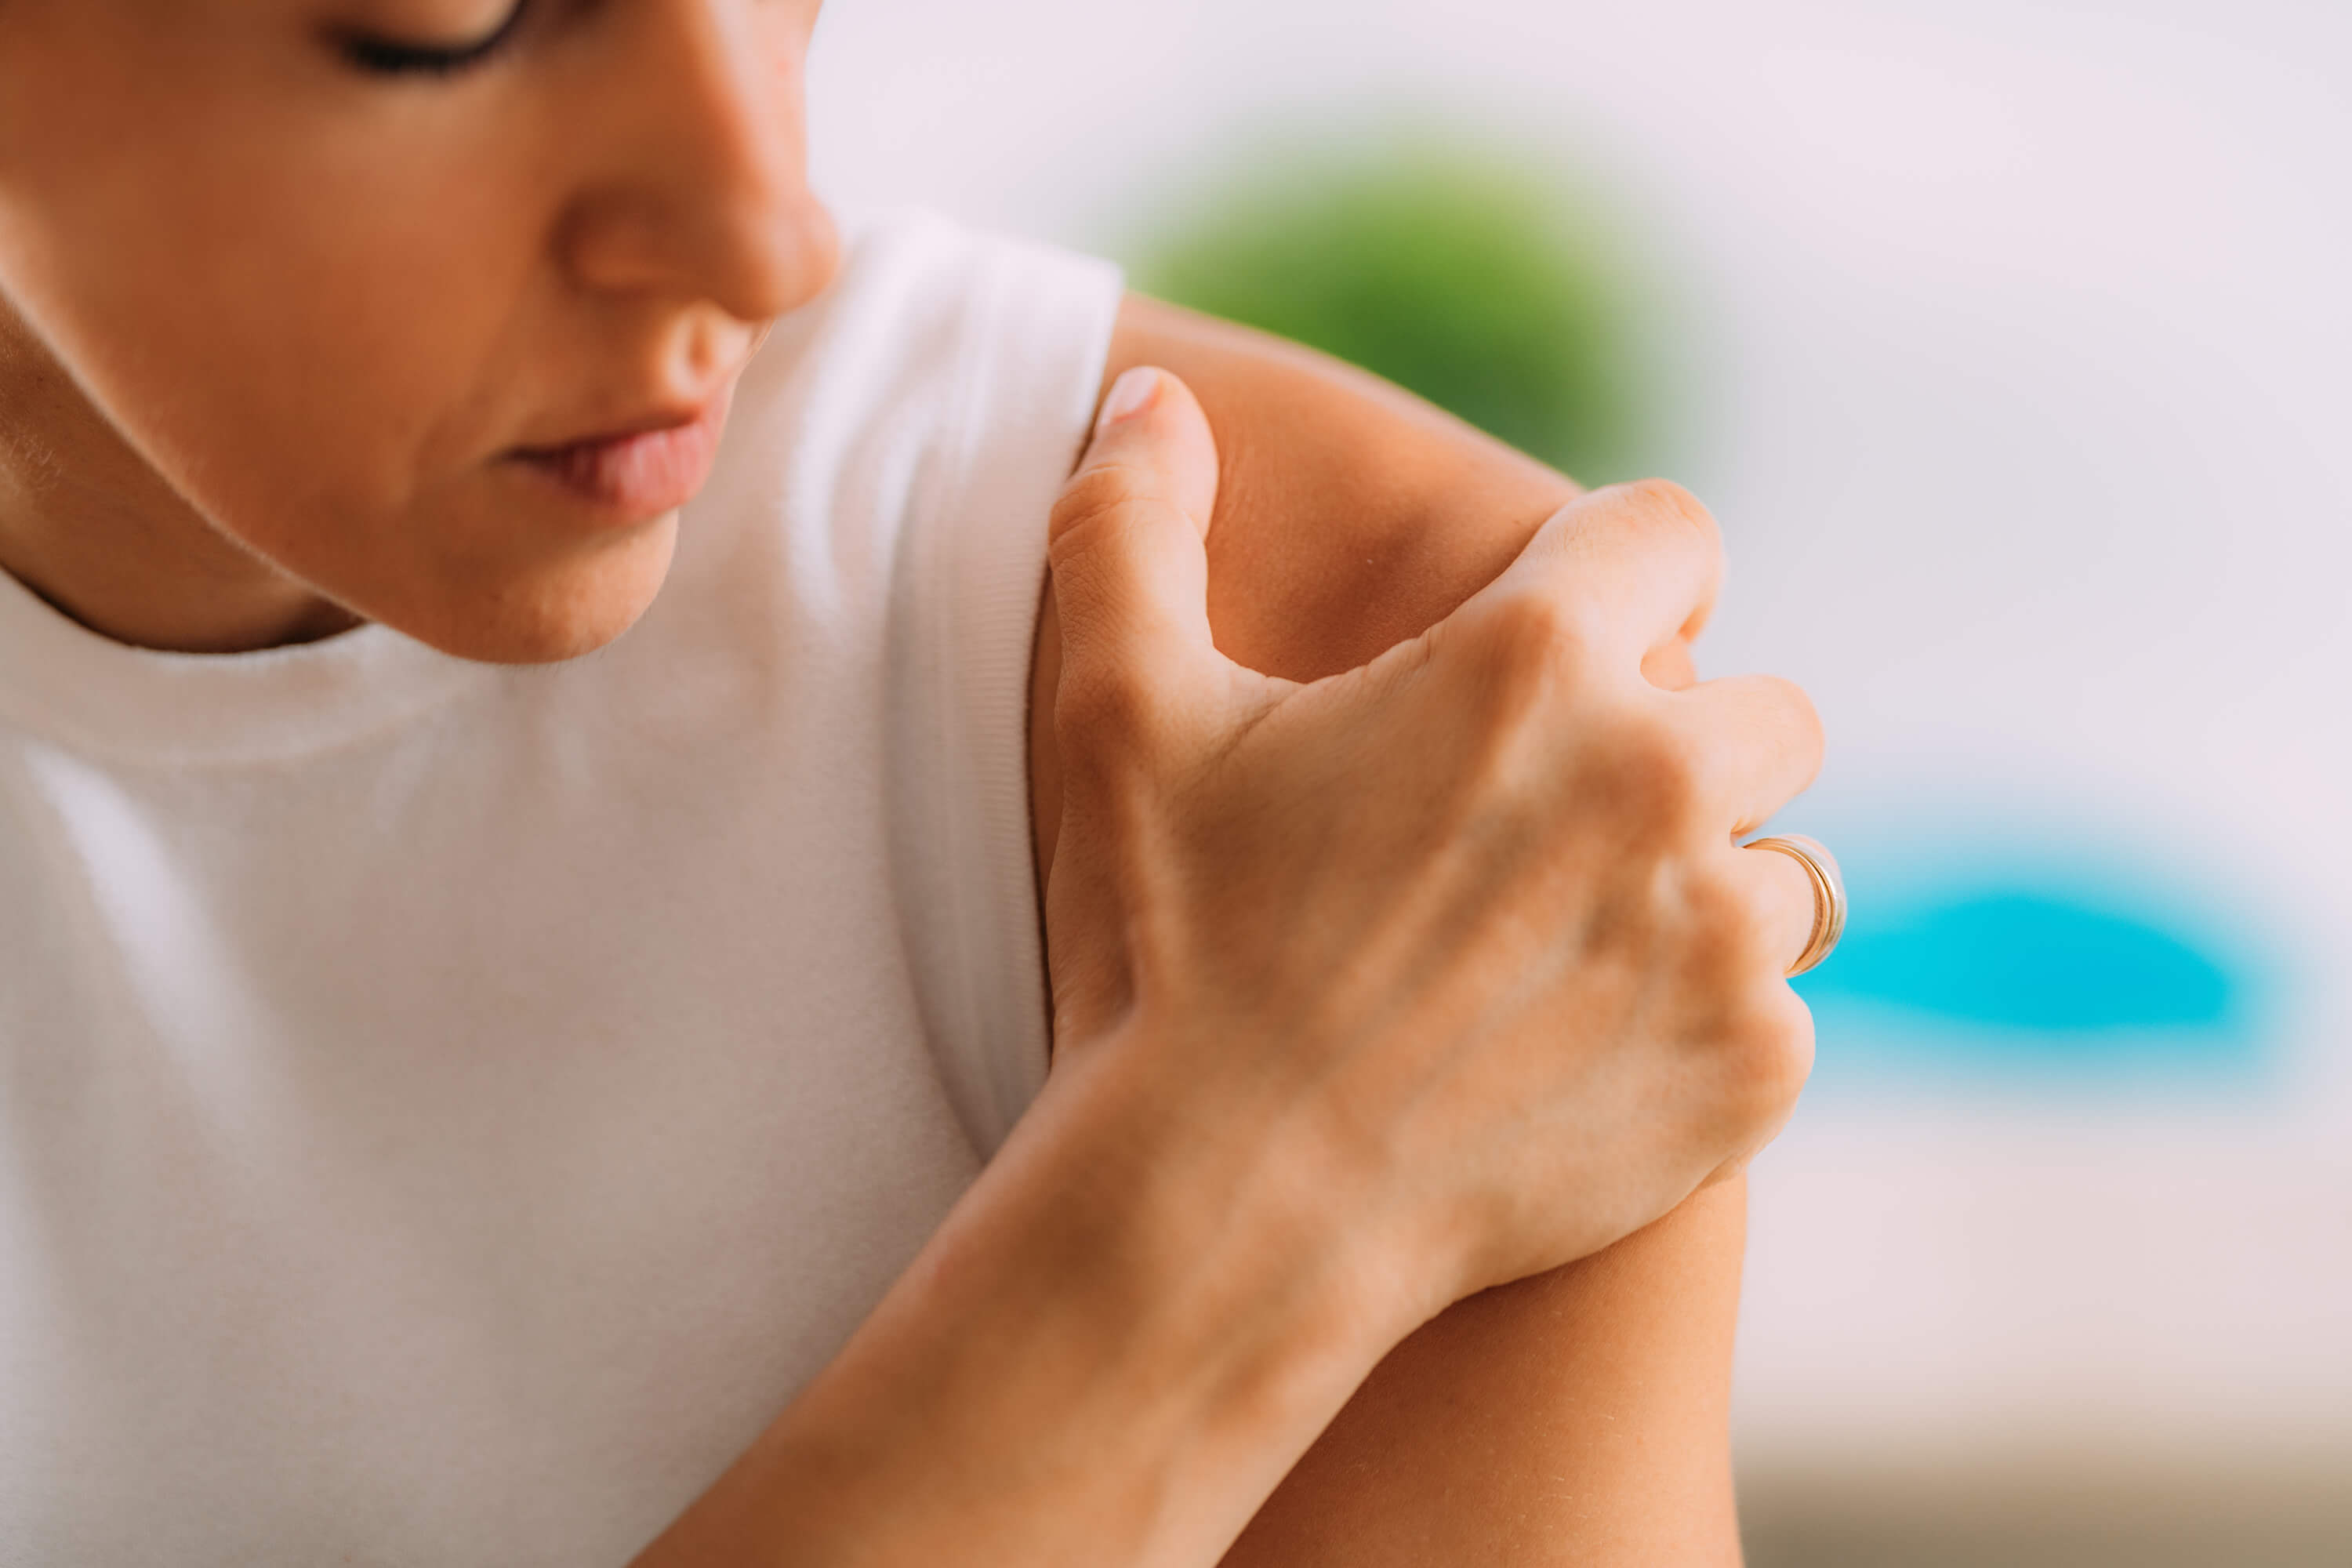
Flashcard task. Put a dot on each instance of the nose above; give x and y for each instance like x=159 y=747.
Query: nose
x=700 y=190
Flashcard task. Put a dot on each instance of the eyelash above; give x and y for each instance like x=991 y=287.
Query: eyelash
x=387 y=56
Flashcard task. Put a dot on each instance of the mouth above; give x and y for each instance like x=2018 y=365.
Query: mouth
x=640 y=469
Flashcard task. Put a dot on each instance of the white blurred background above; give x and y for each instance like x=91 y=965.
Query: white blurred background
x=2010 y=340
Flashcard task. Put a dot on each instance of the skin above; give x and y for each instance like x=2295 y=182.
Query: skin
x=633 y=213
x=1560 y=1013
x=1583 y=1416
x=607 y=257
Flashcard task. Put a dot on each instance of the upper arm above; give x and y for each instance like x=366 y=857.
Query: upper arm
x=1351 y=515
x=1579 y=1417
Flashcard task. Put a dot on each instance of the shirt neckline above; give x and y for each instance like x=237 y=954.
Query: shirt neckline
x=66 y=684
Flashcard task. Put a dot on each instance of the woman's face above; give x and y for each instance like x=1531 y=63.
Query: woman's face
x=434 y=305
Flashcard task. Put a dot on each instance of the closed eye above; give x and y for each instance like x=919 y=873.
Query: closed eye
x=400 y=56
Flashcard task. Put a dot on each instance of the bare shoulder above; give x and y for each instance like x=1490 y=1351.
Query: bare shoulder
x=1351 y=514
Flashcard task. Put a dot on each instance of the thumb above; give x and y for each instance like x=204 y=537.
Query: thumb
x=1130 y=570
x=1131 y=592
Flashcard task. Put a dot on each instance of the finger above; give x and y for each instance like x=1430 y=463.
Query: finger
x=1636 y=566
x=1126 y=542
x=1759 y=744
x=1668 y=666
x=1782 y=893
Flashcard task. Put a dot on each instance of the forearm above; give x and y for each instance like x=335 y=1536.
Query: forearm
x=1105 y=1355
x=1581 y=1417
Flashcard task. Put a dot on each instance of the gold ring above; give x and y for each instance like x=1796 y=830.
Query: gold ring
x=1828 y=894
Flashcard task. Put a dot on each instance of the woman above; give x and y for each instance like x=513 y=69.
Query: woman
x=470 y=1101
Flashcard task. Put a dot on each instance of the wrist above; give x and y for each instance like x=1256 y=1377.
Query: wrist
x=1112 y=1351
x=1169 y=1289
x=1217 y=1219
x=1259 y=1185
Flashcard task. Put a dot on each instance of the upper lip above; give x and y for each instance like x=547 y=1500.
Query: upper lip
x=670 y=416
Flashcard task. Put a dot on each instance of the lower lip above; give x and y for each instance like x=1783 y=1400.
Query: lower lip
x=635 y=478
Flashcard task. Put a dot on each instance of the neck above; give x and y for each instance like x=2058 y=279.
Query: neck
x=90 y=527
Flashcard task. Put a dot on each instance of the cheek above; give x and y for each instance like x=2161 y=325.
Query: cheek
x=319 y=354
x=320 y=323
x=287 y=344
x=328 y=398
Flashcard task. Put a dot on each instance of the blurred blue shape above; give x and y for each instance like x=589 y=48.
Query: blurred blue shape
x=2011 y=963
x=2036 y=959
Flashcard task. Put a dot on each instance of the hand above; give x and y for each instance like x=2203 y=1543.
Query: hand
x=1458 y=945
x=1369 y=994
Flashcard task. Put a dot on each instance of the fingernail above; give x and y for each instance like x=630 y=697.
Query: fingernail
x=1130 y=395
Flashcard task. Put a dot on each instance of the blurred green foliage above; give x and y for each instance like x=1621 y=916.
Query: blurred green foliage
x=1476 y=276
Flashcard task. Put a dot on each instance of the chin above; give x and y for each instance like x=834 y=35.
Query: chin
x=552 y=613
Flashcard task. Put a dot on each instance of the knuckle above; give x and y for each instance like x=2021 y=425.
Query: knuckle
x=1660 y=513
x=1666 y=501
x=1528 y=649
x=1534 y=631
x=1753 y=1049
x=1779 y=701
x=1804 y=719
x=1727 y=942
x=1766 y=1055
x=1650 y=773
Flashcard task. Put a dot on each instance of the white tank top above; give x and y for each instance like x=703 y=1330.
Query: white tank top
x=448 y=1111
